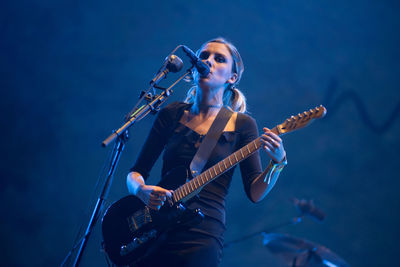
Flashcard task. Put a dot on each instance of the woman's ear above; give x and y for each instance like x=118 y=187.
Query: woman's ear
x=233 y=78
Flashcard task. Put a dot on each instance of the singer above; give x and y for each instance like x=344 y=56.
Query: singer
x=178 y=132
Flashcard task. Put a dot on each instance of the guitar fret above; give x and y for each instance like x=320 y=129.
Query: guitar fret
x=247 y=146
x=180 y=194
x=229 y=158
x=201 y=177
x=184 y=190
x=224 y=164
x=195 y=180
x=214 y=171
x=241 y=152
x=255 y=144
x=235 y=157
x=187 y=188
x=219 y=167
x=209 y=172
x=191 y=186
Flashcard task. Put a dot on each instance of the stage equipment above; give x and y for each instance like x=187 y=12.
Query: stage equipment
x=304 y=206
x=307 y=207
x=298 y=252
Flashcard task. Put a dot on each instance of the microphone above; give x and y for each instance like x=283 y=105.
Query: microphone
x=172 y=63
x=201 y=67
x=307 y=207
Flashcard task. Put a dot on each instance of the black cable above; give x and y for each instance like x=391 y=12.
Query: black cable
x=333 y=105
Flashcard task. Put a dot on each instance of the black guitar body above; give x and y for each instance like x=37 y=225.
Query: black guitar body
x=130 y=228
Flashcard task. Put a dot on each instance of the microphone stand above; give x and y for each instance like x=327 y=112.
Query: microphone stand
x=153 y=105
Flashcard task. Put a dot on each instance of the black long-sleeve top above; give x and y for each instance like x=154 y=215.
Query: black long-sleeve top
x=180 y=144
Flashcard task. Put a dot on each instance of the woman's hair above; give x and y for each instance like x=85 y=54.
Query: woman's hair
x=233 y=97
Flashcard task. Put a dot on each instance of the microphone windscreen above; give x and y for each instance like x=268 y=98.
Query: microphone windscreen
x=174 y=64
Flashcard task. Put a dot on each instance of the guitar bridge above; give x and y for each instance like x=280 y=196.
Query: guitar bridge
x=139 y=218
x=137 y=241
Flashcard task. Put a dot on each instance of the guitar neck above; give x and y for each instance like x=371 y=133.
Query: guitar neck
x=185 y=191
x=189 y=189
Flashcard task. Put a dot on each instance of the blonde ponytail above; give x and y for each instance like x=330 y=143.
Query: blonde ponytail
x=238 y=101
x=234 y=99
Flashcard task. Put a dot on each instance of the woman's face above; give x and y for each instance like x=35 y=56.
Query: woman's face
x=219 y=59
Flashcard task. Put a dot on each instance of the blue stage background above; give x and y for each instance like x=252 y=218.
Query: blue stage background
x=71 y=70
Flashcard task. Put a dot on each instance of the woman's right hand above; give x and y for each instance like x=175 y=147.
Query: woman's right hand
x=153 y=196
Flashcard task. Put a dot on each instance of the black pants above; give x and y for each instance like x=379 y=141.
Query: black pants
x=186 y=249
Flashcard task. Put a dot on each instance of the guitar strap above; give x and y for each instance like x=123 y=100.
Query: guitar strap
x=209 y=141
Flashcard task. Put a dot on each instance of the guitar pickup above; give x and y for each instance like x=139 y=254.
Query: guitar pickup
x=137 y=241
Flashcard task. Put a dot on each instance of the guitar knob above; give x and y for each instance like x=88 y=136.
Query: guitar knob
x=137 y=240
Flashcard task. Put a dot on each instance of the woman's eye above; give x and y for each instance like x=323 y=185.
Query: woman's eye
x=220 y=59
x=204 y=55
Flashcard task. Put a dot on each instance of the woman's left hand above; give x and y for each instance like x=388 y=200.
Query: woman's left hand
x=273 y=145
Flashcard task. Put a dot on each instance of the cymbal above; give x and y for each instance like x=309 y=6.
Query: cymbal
x=298 y=252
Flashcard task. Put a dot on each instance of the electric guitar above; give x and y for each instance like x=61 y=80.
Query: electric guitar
x=130 y=228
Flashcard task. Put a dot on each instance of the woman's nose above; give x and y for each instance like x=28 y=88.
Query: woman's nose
x=208 y=62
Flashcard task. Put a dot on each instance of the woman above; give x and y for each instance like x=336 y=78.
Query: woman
x=178 y=130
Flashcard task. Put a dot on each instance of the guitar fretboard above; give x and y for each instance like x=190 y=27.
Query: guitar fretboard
x=192 y=187
x=212 y=173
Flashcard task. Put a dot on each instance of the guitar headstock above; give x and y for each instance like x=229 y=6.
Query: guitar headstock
x=300 y=120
